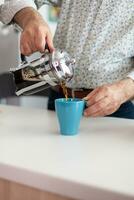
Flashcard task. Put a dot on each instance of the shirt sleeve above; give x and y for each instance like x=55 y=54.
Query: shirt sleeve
x=11 y=7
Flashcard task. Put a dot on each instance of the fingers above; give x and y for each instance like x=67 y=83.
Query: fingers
x=102 y=113
x=91 y=94
x=95 y=96
x=34 y=38
x=98 y=109
x=107 y=110
x=50 y=42
x=40 y=41
x=103 y=101
x=25 y=49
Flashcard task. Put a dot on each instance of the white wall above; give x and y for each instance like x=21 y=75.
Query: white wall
x=8 y=48
x=44 y=12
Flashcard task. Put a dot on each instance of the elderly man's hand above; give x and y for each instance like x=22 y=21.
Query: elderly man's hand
x=108 y=98
x=36 y=32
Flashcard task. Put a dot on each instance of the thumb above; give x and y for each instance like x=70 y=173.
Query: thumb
x=49 y=42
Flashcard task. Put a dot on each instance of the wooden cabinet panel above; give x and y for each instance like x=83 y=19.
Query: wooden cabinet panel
x=14 y=191
x=20 y=192
x=50 y=196
x=4 y=190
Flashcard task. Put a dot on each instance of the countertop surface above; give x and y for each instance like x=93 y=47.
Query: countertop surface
x=97 y=164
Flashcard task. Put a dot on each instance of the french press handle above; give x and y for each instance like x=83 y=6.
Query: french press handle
x=23 y=57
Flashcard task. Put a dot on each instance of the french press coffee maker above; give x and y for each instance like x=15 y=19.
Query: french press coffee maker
x=50 y=69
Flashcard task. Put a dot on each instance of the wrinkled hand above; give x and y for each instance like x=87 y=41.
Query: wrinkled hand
x=36 y=32
x=108 y=98
x=34 y=37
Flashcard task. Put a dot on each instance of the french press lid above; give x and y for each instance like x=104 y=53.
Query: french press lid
x=62 y=65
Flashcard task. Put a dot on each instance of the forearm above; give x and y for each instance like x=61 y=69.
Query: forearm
x=11 y=7
x=26 y=15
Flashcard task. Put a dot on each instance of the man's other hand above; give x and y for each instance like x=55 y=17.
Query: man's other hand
x=107 y=99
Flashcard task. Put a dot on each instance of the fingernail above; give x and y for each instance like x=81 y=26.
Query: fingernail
x=85 y=114
x=87 y=103
x=85 y=98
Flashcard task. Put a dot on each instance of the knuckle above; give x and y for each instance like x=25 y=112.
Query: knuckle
x=106 y=89
x=26 y=51
x=34 y=49
x=115 y=104
x=38 y=29
x=104 y=113
x=26 y=33
x=41 y=29
x=39 y=47
x=111 y=111
x=99 y=106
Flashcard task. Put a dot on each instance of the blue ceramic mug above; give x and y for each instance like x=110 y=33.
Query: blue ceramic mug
x=69 y=113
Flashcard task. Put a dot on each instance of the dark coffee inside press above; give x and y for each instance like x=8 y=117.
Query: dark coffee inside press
x=50 y=69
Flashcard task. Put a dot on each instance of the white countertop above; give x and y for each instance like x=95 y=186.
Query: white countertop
x=97 y=164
